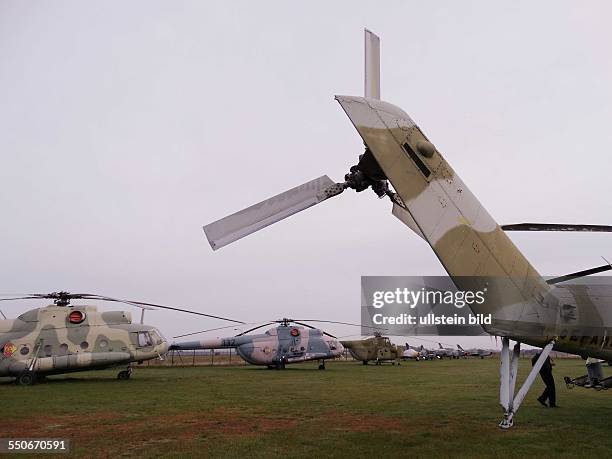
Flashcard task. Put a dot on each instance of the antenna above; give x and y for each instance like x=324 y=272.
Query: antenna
x=372 y=65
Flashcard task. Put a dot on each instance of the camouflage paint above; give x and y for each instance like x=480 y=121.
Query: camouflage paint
x=376 y=348
x=46 y=339
x=279 y=345
x=474 y=250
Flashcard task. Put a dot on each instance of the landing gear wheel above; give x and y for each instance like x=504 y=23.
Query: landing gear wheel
x=321 y=366
x=365 y=362
x=27 y=378
x=124 y=375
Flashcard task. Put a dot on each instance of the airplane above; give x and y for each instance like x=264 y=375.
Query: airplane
x=278 y=346
x=429 y=354
x=448 y=352
x=428 y=196
x=410 y=354
x=417 y=353
x=377 y=348
x=65 y=338
x=475 y=352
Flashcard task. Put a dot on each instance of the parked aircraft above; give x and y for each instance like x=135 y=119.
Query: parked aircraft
x=475 y=352
x=428 y=196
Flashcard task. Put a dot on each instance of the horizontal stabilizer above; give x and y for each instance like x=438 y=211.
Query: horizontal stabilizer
x=404 y=216
x=557 y=227
x=254 y=218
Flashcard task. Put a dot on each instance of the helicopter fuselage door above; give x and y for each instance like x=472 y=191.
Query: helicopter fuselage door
x=296 y=349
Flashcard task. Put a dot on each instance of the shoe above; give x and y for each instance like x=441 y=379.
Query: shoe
x=543 y=402
x=554 y=406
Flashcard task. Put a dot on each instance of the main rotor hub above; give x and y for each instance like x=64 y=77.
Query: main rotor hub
x=61 y=298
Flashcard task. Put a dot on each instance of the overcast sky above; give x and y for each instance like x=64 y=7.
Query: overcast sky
x=126 y=126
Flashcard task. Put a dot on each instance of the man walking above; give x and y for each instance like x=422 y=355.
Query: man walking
x=547 y=376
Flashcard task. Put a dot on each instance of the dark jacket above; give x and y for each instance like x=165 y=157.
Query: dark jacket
x=546 y=367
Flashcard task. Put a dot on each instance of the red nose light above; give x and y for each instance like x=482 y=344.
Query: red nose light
x=295 y=332
x=76 y=317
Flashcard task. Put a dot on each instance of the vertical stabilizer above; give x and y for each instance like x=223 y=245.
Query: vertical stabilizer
x=372 y=65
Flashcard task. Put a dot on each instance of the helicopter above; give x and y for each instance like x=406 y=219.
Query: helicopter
x=377 y=348
x=63 y=338
x=428 y=196
x=278 y=346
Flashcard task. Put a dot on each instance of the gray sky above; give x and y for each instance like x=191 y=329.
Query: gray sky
x=126 y=126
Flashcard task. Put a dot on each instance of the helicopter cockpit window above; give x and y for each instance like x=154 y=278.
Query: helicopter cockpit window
x=156 y=337
x=144 y=339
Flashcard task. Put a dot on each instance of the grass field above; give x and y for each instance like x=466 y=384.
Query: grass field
x=434 y=409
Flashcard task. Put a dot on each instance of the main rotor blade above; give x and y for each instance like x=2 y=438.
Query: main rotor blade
x=141 y=303
x=341 y=323
x=205 y=331
x=265 y=213
x=21 y=298
x=576 y=275
x=255 y=328
x=91 y=296
x=315 y=328
x=557 y=227
x=160 y=306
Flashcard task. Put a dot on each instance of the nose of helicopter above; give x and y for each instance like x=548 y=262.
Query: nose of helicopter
x=163 y=347
x=335 y=347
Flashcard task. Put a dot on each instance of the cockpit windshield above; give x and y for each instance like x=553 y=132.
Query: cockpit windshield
x=156 y=337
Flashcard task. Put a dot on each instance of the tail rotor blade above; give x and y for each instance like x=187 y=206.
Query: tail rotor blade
x=247 y=221
x=372 y=65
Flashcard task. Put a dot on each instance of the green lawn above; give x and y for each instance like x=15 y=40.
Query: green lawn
x=434 y=409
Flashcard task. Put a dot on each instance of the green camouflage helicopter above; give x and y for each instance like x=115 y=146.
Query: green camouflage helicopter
x=376 y=349
x=63 y=338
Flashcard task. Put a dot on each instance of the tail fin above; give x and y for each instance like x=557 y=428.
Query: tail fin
x=474 y=250
x=440 y=345
x=459 y=347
